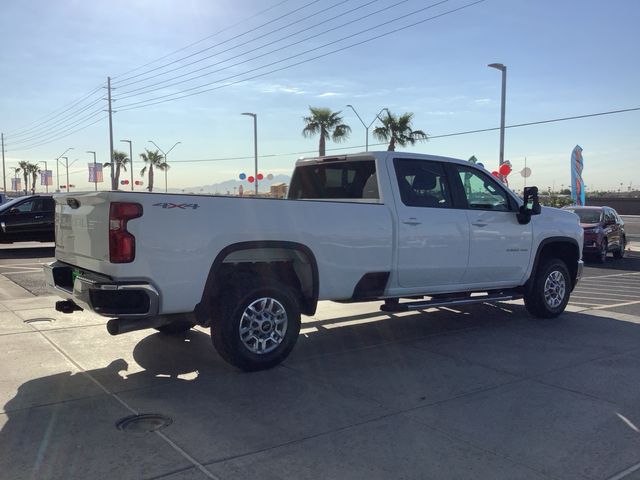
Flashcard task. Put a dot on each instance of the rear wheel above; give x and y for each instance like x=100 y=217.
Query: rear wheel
x=257 y=325
x=548 y=294
x=619 y=253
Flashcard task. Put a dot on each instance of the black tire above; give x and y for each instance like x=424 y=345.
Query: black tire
x=601 y=256
x=535 y=297
x=176 y=328
x=225 y=328
x=619 y=253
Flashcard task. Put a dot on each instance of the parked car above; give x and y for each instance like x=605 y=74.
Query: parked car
x=374 y=226
x=603 y=231
x=27 y=219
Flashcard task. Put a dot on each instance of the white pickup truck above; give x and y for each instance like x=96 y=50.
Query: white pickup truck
x=410 y=230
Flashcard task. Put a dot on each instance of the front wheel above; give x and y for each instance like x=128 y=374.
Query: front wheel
x=257 y=326
x=602 y=254
x=548 y=294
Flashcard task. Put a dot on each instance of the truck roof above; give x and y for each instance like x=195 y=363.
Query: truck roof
x=381 y=155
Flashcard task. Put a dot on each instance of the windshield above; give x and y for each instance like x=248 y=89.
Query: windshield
x=588 y=216
x=5 y=207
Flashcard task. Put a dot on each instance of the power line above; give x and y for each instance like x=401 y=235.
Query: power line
x=248 y=51
x=44 y=131
x=129 y=93
x=59 y=129
x=56 y=113
x=202 y=39
x=466 y=132
x=177 y=95
x=57 y=138
x=221 y=43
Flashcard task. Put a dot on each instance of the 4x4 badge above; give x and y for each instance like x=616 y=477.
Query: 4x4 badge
x=182 y=206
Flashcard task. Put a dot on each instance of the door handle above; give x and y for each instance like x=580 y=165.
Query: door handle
x=479 y=224
x=37 y=217
x=411 y=221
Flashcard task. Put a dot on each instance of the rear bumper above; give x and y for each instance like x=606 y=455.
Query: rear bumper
x=101 y=294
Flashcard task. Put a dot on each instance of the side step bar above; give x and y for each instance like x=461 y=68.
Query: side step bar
x=446 y=302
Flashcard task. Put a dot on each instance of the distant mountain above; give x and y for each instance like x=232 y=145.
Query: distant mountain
x=228 y=186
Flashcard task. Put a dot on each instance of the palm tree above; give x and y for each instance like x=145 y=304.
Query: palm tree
x=120 y=160
x=24 y=167
x=151 y=160
x=34 y=170
x=397 y=130
x=326 y=123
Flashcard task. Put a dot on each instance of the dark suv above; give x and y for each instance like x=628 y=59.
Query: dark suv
x=603 y=231
x=27 y=219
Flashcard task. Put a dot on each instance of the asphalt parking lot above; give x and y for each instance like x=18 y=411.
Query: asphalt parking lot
x=480 y=392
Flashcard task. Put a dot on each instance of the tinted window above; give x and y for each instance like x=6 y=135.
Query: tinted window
x=28 y=206
x=587 y=215
x=481 y=191
x=422 y=183
x=335 y=180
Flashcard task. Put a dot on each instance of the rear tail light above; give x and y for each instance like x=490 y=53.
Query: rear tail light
x=122 y=245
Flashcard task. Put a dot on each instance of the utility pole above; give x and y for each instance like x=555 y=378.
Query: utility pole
x=255 y=146
x=113 y=186
x=4 y=174
x=66 y=159
x=503 y=101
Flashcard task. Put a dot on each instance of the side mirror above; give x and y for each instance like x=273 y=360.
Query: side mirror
x=14 y=210
x=531 y=205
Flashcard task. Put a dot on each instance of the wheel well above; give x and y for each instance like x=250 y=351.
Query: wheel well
x=291 y=264
x=566 y=251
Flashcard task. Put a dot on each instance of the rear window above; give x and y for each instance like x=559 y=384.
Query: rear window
x=588 y=216
x=336 y=180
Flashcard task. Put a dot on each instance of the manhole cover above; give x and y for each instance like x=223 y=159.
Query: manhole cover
x=40 y=320
x=145 y=422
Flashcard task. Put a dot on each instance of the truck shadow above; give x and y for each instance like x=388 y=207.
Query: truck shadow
x=342 y=370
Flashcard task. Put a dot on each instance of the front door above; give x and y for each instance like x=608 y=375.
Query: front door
x=433 y=237
x=500 y=247
x=18 y=223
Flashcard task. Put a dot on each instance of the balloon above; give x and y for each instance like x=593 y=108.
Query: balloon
x=525 y=172
x=243 y=176
x=505 y=169
x=250 y=179
x=270 y=177
x=481 y=165
x=260 y=176
x=495 y=174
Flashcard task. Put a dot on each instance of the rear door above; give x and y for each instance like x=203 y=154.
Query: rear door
x=433 y=237
x=500 y=247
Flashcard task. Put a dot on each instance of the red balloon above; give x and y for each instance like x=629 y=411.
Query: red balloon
x=505 y=169
x=260 y=176
x=495 y=174
x=250 y=179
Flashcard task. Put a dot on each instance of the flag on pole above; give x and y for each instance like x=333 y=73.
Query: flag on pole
x=16 y=184
x=95 y=173
x=577 y=184
x=46 y=177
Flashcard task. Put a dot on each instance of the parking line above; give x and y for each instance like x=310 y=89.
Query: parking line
x=615 y=305
x=586 y=292
x=624 y=473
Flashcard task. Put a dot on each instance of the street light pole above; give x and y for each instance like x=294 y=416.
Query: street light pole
x=130 y=160
x=503 y=101
x=67 y=164
x=255 y=146
x=367 y=127
x=165 y=160
x=58 y=169
x=95 y=176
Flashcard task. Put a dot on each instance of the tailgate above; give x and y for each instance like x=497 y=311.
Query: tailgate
x=81 y=227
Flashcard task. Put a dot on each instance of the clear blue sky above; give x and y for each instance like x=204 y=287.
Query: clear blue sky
x=564 y=58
